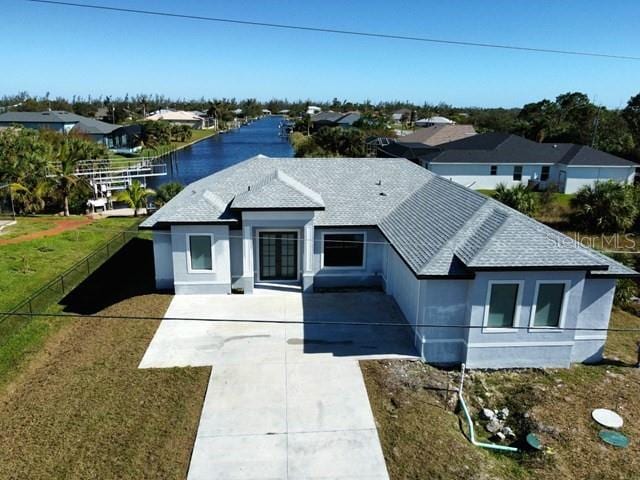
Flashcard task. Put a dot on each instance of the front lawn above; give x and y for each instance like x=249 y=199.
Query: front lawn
x=81 y=409
x=423 y=437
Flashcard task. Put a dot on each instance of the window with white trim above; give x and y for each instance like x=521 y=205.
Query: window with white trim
x=502 y=305
x=343 y=250
x=549 y=303
x=200 y=253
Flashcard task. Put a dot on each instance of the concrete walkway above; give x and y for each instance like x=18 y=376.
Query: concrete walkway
x=284 y=401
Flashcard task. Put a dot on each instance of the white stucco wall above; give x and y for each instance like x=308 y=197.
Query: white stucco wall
x=478 y=176
x=370 y=274
x=595 y=311
x=216 y=282
x=163 y=259
x=577 y=177
x=522 y=347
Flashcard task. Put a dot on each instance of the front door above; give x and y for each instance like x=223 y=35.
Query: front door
x=278 y=255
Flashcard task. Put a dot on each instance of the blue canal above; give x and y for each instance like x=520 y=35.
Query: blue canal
x=221 y=151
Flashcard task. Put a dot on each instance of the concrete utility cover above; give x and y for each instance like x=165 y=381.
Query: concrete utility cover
x=607 y=418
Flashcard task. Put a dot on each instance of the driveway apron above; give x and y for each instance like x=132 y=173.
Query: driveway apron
x=285 y=400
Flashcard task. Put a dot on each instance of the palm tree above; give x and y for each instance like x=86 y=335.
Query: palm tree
x=166 y=192
x=518 y=197
x=606 y=207
x=72 y=150
x=135 y=196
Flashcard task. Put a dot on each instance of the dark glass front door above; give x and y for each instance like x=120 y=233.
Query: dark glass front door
x=278 y=255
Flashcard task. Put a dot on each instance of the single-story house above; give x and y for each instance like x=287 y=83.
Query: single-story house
x=334 y=119
x=179 y=117
x=439 y=134
x=109 y=134
x=401 y=115
x=312 y=110
x=486 y=160
x=477 y=281
x=437 y=120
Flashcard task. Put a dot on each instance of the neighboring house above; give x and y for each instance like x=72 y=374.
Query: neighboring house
x=486 y=160
x=334 y=119
x=179 y=117
x=401 y=115
x=427 y=122
x=113 y=136
x=312 y=110
x=439 y=134
x=479 y=282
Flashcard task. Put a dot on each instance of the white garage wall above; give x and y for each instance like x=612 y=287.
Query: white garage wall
x=478 y=176
x=578 y=177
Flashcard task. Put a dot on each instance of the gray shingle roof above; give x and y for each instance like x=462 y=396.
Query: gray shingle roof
x=505 y=148
x=438 y=227
x=584 y=156
x=83 y=124
x=278 y=191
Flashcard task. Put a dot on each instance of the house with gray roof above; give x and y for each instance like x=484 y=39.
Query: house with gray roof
x=477 y=281
x=334 y=119
x=112 y=136
x=486 y=160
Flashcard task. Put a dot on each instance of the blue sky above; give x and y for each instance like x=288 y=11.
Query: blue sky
x=69 y=51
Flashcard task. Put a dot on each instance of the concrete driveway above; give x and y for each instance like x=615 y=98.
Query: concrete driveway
x=285 y=400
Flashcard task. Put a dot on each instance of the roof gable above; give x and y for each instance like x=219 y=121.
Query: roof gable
x=277 y=191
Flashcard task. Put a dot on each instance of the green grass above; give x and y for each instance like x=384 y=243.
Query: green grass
x=81 y=409
x=27 y=225
x=26 y=266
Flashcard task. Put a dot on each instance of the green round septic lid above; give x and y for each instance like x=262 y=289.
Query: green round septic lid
x=616 y=439
x=534 y=442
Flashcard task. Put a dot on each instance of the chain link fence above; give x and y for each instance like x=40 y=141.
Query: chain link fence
x=43 y=299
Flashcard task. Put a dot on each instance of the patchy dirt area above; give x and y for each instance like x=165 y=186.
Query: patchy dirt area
x=81 y=409
x=40 y=228
x=423 y=435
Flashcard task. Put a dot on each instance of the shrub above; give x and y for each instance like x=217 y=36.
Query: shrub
x=605 y=207
x=518 y=197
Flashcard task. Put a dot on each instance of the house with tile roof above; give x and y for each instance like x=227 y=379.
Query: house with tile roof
x=486 y=160
x=476 y=281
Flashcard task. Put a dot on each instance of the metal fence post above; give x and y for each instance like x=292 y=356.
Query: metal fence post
x=62 y=282
x=30 y=310
x=107 y=249
x=88 y=267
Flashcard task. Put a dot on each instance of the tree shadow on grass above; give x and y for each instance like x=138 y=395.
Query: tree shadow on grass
x=128 y=273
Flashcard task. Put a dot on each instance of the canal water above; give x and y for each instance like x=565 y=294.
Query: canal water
x=221 y=151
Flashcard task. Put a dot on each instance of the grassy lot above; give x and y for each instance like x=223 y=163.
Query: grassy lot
x=81 y=409
x=422 y=436
x=28 y=265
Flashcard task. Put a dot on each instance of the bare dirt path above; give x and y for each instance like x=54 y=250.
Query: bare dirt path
x=61 y=225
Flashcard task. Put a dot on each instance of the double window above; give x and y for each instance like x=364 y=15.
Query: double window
x=504 y=300
x=517 y=173
x=343 y=250
x=200 y=253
